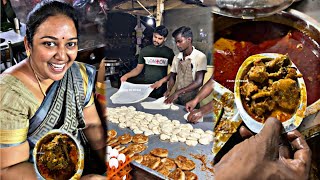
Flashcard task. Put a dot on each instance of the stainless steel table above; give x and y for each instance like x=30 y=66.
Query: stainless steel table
x=175 y=149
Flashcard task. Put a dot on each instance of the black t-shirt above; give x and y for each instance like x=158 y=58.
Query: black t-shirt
x=156 y=61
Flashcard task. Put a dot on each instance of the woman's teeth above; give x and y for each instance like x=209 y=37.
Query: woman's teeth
x=57 y=66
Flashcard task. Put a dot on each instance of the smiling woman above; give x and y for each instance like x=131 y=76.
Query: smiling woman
x=46 y=91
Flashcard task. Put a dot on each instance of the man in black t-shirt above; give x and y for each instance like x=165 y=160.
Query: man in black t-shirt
x=154 y=59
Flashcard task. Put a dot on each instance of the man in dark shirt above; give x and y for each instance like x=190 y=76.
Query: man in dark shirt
x=154 y=59
x=7 y=15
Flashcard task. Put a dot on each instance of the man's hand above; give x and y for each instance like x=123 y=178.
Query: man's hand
x=123 y=78
x=263 y=157
x=167 y=93
x=156 y=85
x=194 y=116
x=171 y=98
x=191 y=104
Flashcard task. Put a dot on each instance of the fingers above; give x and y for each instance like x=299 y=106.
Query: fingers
x=189 y=107
x=189 y=118
x=271 y=129
x=168 y=101
x=284 y=147
x=284 y=151
x=194 y=116
x=303 y=152
x=245 y=132
x=269 y=138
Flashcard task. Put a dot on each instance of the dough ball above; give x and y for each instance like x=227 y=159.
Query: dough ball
x=164 y=137
x=174 y=138
x=174 y=107
x=191 y=142
x=198 y=130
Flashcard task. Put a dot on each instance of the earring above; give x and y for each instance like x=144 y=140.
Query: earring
x=28 y=53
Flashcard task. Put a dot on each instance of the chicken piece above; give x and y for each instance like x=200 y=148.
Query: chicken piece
x=292 y=73
x=275 y=64
x=279 y=74
x=258 y=108
x=248 y=88
x=286 y=93
x=260 y=94
x=258 y=74
x=261 y=108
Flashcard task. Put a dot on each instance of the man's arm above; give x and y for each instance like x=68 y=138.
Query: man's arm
x=172 y=80
x=194 y=85
x=134 y=72
x=195 y=115
x=203 y=93
x=159 y=83
x=205 y=90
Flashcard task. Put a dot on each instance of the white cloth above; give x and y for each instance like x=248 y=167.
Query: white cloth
x=131 y=93
x=159 y=104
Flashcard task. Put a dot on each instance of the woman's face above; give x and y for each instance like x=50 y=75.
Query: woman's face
x=55 y=47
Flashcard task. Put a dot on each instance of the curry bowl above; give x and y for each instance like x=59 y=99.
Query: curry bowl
x=269 y=84
x=58 y=155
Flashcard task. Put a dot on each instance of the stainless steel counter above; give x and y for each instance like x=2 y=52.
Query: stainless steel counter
x=175 y=149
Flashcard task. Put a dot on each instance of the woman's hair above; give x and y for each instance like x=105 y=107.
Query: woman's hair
x=184 y=31
x=45 y=9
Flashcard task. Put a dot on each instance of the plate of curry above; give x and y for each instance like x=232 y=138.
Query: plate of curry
x=269 y=84
x=58 y=155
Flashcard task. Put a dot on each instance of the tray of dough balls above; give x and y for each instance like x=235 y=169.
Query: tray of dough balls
x=162 y=142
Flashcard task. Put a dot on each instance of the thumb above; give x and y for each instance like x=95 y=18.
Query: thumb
x=270 y=137
x=272 y=128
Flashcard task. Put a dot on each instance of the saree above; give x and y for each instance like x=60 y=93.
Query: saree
x=63 y=106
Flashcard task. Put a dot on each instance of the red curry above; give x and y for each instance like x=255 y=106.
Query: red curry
x=240 y=41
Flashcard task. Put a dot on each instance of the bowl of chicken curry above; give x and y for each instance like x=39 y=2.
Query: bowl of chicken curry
x=58 y=155
x=270 y=85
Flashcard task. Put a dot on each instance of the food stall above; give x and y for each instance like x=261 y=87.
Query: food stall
x=290 y=28
x=200 y=154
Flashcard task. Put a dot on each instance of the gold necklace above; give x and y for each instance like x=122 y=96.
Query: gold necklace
x=38 y=80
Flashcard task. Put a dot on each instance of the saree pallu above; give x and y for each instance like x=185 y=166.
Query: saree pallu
x=63 y=105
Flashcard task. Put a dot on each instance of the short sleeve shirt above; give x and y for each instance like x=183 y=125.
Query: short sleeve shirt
x=198 y=61
x=156 y=61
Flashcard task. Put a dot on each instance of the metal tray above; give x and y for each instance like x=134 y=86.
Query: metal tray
x=175 y=149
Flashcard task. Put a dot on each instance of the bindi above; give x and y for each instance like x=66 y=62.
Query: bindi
x=62 y=37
